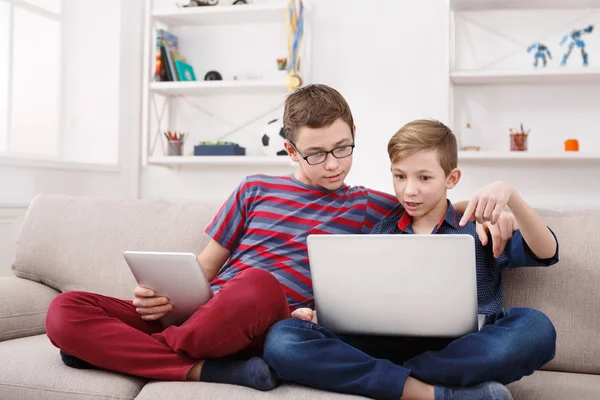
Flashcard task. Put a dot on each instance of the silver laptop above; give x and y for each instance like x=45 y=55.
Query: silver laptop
x=397 y=285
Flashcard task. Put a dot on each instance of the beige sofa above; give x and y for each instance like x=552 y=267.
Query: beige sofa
x=76 y=244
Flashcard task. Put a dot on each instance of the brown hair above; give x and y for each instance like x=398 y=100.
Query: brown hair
x=421 y=135
x=314 y=106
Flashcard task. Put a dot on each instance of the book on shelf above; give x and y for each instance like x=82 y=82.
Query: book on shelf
x=167 y=58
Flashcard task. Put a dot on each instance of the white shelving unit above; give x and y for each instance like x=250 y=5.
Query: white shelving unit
x=526 y=77
x=220 y=15
x=464 y=78
x=489 y=5
x=214 y=161
x=209 y=88
x=525 y=156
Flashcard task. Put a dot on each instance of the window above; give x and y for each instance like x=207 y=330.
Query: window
x=30 y=77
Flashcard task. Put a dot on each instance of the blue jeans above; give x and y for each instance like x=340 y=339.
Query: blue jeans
x=513 y=343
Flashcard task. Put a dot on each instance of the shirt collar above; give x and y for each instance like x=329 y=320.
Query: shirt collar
x=451 y=219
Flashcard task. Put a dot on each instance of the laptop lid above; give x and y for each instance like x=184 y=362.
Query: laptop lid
x=404 y=285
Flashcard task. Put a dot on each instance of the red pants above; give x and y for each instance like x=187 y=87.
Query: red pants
x=109 y=334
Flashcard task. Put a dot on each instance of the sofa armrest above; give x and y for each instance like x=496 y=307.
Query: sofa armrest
x=23 y=307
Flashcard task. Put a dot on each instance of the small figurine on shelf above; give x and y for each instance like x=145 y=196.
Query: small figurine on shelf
x=540 y=52
x=518 y=139
x=576 y=40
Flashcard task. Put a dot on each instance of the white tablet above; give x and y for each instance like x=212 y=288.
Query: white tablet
x=177 y=276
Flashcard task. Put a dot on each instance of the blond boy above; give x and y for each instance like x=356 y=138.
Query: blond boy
x=513 y=342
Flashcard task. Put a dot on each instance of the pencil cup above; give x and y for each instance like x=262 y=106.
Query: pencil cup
x=174 y=148
x=518 y=141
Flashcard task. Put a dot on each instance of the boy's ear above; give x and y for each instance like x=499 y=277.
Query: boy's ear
x=453 y=178
x=354 y=131
x=291 y=151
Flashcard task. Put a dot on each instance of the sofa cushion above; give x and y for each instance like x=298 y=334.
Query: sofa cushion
x=549 y=385
x=31 y=368
x=75 y=243
x=568 y=291
x=200 y=390
x=23 y=307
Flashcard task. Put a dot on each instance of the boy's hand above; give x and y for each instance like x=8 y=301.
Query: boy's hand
x=305 y=314
x=501 y=232
x=487 y=204
x=149 y=306
x=486 y=207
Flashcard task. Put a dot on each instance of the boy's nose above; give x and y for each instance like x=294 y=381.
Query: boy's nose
x=331 y=163
x=411 y=188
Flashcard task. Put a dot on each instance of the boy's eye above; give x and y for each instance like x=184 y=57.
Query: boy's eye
x=425 y=178
x=399 y=176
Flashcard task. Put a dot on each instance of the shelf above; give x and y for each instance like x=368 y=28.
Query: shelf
x=222 y=15
x=205 y=88
x=526 y=156
x=591 y=75
x=490 y=5
x=189 y=161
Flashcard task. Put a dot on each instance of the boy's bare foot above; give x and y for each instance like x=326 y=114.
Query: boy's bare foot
x=416 y=390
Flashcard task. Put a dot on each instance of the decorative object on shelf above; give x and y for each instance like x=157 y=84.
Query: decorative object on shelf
x=295 y=33
x=218 y=148
x=175 y=141
x=470 y=140
x=576 y=40
x=518 y=139
x=201 y=3
x=273 y=138
x=282 y=63
x=541 y=50
x=571 y=145
x=185 y=71
x=213 y=76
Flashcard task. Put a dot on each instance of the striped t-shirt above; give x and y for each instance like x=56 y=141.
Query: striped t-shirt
x=265 y=222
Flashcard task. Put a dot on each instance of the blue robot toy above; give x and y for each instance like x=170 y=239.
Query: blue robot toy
x=540 y=52
x=576 y=40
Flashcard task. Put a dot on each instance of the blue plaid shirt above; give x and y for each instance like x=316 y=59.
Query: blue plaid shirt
x=490 y=280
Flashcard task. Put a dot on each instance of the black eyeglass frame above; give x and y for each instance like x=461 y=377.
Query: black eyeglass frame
x=326 y=153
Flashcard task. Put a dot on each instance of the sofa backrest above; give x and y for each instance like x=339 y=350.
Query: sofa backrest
x=74 y=243
x=568 y=292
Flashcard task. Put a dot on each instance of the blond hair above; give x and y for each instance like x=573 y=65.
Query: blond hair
x=421 y=135
x=314 y=106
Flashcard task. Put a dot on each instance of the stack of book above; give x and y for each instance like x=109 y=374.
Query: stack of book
x=170 y=64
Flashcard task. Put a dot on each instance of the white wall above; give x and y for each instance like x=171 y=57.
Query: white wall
x=92 y=57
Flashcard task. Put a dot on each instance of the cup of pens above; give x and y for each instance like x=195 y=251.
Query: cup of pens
x=175 y=141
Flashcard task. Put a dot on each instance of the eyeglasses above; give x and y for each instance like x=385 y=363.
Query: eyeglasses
x=320 y=157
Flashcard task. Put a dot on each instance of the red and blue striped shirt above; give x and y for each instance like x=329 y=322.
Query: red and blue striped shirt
x=265 y=223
